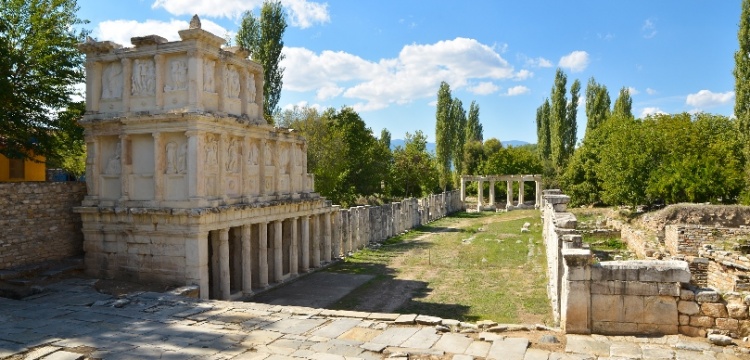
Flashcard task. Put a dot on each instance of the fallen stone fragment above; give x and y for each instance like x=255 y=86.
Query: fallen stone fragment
x=442 y=328
x=549 y=339
x=486 y=323
x=428 y=320
x=721 y=340
x=498 y=328
x=406 y=319
x=119 y=303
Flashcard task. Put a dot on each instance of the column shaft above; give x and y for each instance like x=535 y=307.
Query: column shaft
x=263 y=254
x=293 y=254
x=278 y=252
x=315 y=220
x=224 y=288
x=327 y=248
x=305 y=244
x=247 y=261
x=510 y=194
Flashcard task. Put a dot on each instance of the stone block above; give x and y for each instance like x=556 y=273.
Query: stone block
x=727 y=324
x=684 y=319
x=744 y=328
x=692 y=331
x=737 y=311
x=688 y=307
x=614 y=328
x=707 y=296
x=687 y=295
x=671 y=289
x=715 y=310
x=702 y=321
x=657 y=329
x=660 y=310
x=732 y=297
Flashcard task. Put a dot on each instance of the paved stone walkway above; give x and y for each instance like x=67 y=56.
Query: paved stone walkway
x=72 y=321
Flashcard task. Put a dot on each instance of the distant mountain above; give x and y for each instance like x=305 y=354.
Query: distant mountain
x=431 y=146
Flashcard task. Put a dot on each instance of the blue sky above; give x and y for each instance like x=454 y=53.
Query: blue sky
x=387 y=58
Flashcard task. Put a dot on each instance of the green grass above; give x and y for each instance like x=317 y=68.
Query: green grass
x=483 y=269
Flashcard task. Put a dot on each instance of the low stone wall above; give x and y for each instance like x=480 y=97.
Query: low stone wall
x=689 y=239
x=38 y=223
x=641 y=297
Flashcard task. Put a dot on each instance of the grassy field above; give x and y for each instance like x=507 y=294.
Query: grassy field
x=468 y=267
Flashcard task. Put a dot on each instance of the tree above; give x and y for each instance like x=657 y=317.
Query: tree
x=70 y=154
x=557 y=121
x=597 y=104
x=385 y=138
x=623 y=104
x=543 y=130
x=444 y=133
x=742 y=85
x=474 y=131
x=39 y=65
x=413 y=170
x=458 y=115
x=264 y=39
x=571 y=124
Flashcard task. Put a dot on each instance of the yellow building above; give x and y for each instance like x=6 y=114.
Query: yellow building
x=12 y=170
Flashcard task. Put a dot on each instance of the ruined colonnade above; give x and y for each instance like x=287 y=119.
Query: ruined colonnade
x=508 y=179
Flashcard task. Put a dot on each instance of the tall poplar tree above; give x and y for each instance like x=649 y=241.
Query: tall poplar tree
x=571 y=123
x=558 y=121
x=543 y=130
x=623 y=104
x=742 y=87
x=444 y=133
x=474 y=131
x=263 y=37
x=459 y=120
x=597 y=105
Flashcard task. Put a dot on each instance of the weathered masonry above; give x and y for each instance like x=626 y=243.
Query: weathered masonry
x=509 y=180
x=188 y=184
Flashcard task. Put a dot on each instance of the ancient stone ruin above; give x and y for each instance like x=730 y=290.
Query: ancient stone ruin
x=188 y=185
x=509 y=180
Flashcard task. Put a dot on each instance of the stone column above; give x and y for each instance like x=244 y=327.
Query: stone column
x=492 y=194
x=327 y=248
x=94 y=85
x=315 y=219
x=224 y=264
x=194 y=162
x=337 y=233
x=520 y=192
x=126 y=167
x=278 y=252
x=463 y=189
x=158 y=166
x=196 y=261
x=127 y=83
x=480 y=191
x=305 y=244
x=160 y=74
x=93 y=164
x=510 y=194
x=294 y=248
x=538 y=194
x=195 y=74
x=346 y=227
x=247 y=260
x=263 y=254
x=215 y=264
x=575 y=298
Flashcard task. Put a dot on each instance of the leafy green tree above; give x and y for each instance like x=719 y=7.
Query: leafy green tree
x=473 y=157
x=263 y=37
x=459 y=119
x=39 y=65
x=597 y=104
x=385 y=138
x=742 y=86
x=445 y=133
x=474 y=131
x=557 y=121
x=70 y=154
x=571 y=123
x=623 y=104
x=543 y=130
x=414 y=173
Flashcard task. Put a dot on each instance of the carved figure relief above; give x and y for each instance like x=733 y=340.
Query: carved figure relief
x=232 y=162
x=114 y=165
x=176 y=158
x=178 y=72
x=251 y=88
x=212 y=151
x=231 y=83
x=112 y=81
x=252 y=154
x=208 y=75
x=144 y=77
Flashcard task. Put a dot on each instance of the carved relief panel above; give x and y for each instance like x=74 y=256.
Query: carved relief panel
x=174 y=166
x=269 y=170
x=252 y=173
x=144 y=77
x=232 y=166
x=211 y=164
x=112 y=81
x=110 y=161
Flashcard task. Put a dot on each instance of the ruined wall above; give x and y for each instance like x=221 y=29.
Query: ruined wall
x=37 y=222
x=645 y=296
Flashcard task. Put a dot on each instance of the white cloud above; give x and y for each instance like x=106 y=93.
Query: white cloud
x=648 y=30
x=633 y=91
x=416 y=72
x=651 y=111
x=523 y=75
x=432 y=103
x=484 y=88
x=517 y=90
x=302 y=13
x=650 y=91
x=576 y=61
x=120 y=31
x=539 y=62
x=328 y=92
x=706 y=98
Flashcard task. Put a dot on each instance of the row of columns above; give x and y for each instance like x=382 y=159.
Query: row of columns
x=509 y=193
